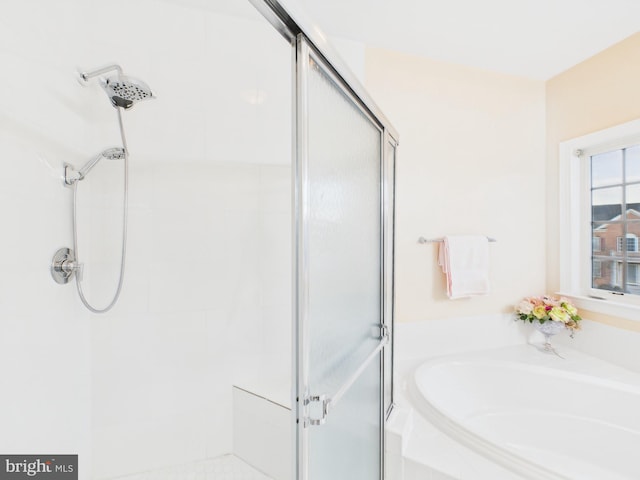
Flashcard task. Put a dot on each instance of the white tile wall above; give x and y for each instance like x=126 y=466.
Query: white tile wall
x=44 y=350
x=430 y=338
x=262 y=434
x=206 y=294
x=417 y=341
x=611 y=344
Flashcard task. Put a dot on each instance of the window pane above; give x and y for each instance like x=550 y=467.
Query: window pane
x=615 y=220
x=606 y=169
x=633 y=278
x=633 y=229
x=605 y=256
x=606 y=203
x=633 y=241
x=597 y=269
x=631 y=244
x=633 y=202
x=606 y=274
x=596 y=244
x=632 y=166
x=603 y=238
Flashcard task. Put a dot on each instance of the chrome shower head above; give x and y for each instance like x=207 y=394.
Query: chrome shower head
x=115 y=153
x=124 y=91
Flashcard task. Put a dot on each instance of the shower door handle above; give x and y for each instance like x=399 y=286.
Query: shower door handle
x=319 y=406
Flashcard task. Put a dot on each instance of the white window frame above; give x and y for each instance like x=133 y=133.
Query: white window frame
x=575 y=233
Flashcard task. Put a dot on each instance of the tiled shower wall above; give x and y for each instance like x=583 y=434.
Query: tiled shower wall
x=207 y=301
x=206 y=296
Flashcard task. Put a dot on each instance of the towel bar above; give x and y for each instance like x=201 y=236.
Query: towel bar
x=436 y=240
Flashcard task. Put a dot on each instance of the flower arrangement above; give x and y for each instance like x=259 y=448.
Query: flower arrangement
x=549 y=309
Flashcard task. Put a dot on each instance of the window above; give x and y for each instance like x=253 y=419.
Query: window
x=597 y=269
x=600 y=220
x=633 y=275
x=631 y=243
x=615 y=213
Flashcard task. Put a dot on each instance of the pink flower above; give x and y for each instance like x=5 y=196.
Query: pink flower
x=525 y=307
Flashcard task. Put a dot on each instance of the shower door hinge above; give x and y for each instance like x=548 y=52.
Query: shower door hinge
x=384 y=331
x=316 y=409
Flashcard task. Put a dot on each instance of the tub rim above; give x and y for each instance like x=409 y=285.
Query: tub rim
x=512 y=461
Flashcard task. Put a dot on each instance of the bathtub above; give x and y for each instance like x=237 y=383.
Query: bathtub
x=537 y=415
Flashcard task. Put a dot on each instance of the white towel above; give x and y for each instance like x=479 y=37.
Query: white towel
x=465 y=262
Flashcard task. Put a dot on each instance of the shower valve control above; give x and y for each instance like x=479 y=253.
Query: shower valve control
x=64 y=265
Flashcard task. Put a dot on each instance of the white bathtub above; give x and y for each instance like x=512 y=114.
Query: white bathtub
x=539 y=416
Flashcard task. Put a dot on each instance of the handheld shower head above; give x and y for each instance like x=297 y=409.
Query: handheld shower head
x=115 y=153
x=125 y=91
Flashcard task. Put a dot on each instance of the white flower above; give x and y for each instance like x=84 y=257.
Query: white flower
x=524 y=307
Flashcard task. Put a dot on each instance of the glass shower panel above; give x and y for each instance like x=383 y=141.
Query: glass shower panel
x=341 y=225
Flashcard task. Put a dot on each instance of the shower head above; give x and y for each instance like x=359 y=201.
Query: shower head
x=115 y=153
x=124 y=91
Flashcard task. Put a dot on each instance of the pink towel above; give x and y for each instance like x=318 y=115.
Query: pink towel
x=465 y=262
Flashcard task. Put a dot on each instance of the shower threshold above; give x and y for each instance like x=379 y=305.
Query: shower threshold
x=226 y=467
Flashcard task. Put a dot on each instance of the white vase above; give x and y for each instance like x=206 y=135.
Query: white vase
x=549 y=329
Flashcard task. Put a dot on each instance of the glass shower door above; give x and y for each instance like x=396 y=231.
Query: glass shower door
x=339 y=404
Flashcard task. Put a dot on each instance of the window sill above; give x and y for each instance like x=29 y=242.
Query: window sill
x=604 y=306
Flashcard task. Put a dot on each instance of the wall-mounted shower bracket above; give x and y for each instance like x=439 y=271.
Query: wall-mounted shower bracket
x=71 y=176
x=64 y=265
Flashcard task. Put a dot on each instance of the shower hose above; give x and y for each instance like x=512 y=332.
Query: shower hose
x=124 y=229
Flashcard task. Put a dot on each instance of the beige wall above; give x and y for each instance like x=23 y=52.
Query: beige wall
x=471 y=161
x=598 y=93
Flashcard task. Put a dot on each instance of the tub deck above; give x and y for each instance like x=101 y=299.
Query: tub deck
x=476 y=416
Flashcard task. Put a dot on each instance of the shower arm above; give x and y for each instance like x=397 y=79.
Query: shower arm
x=86 y=76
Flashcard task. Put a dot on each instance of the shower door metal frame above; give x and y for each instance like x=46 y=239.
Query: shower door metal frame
x=289 y=27
x=388 y=253
x=307 y=41
x=304 y=52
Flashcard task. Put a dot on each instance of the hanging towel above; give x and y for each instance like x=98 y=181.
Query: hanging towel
x=465 y=262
